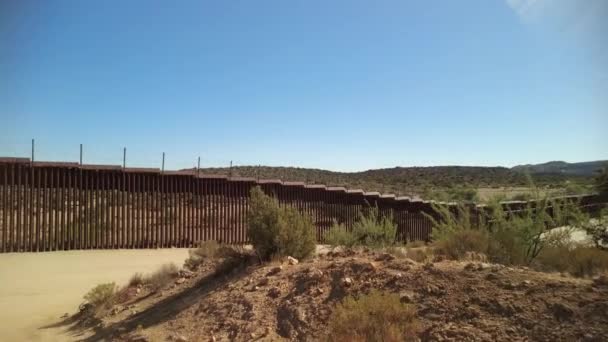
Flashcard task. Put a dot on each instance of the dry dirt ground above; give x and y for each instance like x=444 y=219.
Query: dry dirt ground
x=455 y=301
x=36 y=289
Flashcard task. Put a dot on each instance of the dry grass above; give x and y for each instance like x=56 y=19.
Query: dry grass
x=137 y=279
x=101 y=296
x=579 y=261
x=377 y=316
x=162 y=277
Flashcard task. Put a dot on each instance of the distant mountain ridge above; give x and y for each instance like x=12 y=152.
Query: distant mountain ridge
x=587 y=169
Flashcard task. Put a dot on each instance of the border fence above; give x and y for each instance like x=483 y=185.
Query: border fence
x=49 y=206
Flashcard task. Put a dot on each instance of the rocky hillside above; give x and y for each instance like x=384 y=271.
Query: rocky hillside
x=454 y=301
x=584 y=169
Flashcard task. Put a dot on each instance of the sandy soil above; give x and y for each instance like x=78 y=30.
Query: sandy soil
x=36 y=289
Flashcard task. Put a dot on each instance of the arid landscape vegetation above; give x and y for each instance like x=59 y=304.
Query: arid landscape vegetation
x=507 y=278
x=308 y=170
x=442 y=182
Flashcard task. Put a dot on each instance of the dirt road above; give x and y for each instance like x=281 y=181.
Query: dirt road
x=37 y=288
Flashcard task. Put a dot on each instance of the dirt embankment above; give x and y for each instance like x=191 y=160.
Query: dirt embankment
x=455 y=301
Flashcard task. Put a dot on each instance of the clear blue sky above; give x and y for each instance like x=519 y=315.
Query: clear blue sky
x=341 y=85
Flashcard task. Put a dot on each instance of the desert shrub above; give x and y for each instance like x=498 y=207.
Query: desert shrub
x=601 y=182
x=338 y=235
x=377 y=316
x=505 y=237
x=397 y=251
x=421 y=254
x=597 y=229
x=371 y=229
x=101 y=296
x=137 y=279
x=278 y=231
x=455 y=244
x=580 y=261
x=587 y=261
x=416 y=243
x=296 y=234
x=162 y=277
x=204 y=250
x=231 y=258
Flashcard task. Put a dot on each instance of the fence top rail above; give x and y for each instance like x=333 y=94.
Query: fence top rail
x=12 y=160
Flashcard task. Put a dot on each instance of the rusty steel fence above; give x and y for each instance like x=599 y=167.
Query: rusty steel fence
x=47 y=206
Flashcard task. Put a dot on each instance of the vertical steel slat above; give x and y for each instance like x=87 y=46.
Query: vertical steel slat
x=4 y=206
x=107 y=204
x=57 y=208
x=103 y=202
x=159 y=207
x=143 y=211
x=89 y=195
x=179 y=210
x=135 y=193
x=85 y=213
x=176 y=221
x=162 y=209
x=52 y=209
x=146 y=210
x=11 y=222
x=196 y=209
x=152 y=191
x=201 y=208
x=171 y=213
x=127 y=208
x=79 y=208
x=223 y=211
x=113 y=191
x=30 y=221
x=44 y=208
x=241 y=223
x=68 y=212
x=185 y=223
x=97 y=211
x=216 y=210
x=123 y=210
x=26 y=209
x=184 y=206
x=188 y=205
x=229 y=213
x=19 y=230
x=205 y=208
x=60 y=207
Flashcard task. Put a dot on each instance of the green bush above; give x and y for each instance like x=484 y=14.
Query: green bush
x=370 y=229
x=101 y=296
x=338 y=235
x=377 y=316
x=276 y=231
x=505 y=237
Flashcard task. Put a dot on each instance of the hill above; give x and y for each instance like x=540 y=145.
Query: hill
x=401 y=180
x=586 y=169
